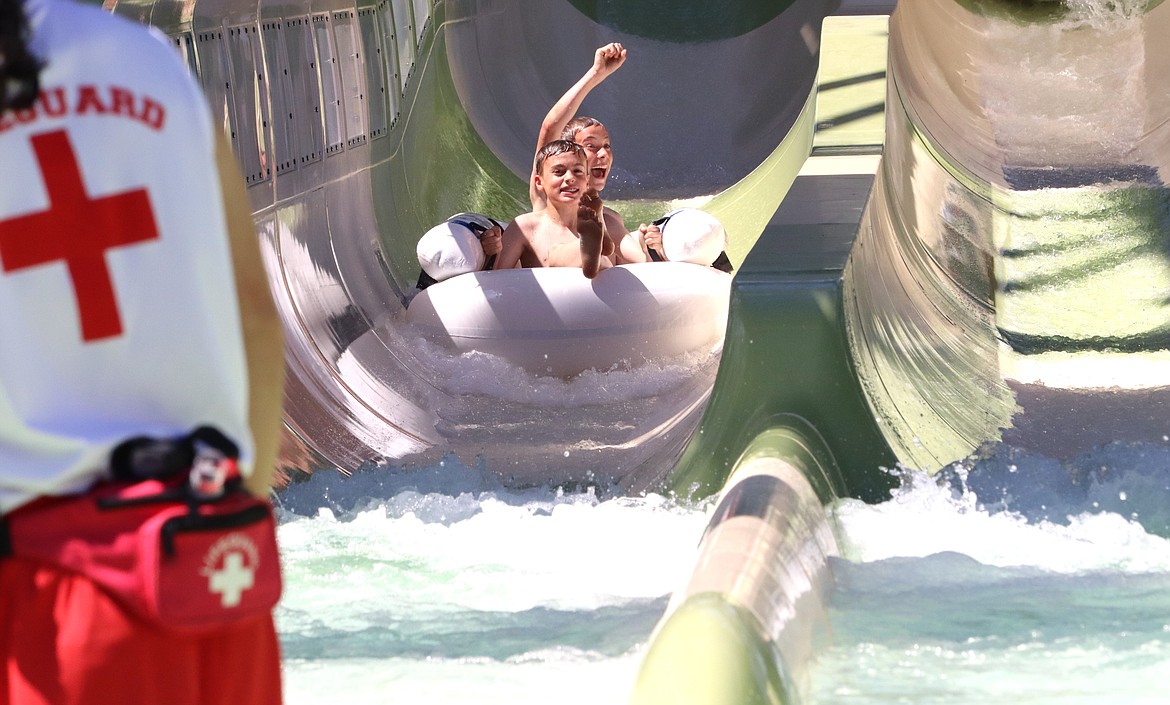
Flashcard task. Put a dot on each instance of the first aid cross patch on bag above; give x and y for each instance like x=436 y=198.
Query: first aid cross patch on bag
x=185 y=566
x=214 y=567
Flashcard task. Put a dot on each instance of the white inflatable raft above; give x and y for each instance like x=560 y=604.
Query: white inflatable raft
x=554 y=321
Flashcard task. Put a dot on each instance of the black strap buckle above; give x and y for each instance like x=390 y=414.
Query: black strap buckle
x=143 y=457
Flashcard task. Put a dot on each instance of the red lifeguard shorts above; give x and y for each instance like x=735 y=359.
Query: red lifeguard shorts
x=65 y=642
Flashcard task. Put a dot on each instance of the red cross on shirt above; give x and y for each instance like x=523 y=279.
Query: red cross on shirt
x=78 y=230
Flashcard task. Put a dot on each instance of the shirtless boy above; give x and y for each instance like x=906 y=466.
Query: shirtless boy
x=592 y=135
x=549 y=237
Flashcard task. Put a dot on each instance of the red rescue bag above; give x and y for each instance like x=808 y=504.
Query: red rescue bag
x=184 y=563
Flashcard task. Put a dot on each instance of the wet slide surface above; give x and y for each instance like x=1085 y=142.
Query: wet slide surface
x=1011 y=276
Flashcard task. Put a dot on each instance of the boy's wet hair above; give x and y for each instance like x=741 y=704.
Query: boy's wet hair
x=577 y=124
x=556 y=147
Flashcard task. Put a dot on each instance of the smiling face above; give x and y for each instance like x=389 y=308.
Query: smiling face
x=563 y=177
x=595 y=140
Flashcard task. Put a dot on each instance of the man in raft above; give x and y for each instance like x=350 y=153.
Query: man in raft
x=566 y=232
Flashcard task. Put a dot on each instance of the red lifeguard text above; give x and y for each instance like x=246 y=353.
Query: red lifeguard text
x=62 y=101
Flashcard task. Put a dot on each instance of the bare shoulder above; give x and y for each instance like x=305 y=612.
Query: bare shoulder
x=526 y=221
x=522 y=224
x=614 y=223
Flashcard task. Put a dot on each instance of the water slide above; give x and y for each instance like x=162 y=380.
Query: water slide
x=360 y=127
x=1000 y=277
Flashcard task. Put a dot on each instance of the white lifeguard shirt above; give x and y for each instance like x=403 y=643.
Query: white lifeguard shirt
x=118 y=309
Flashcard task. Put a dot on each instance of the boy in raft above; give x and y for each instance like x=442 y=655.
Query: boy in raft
x=566 y=232
x=591 y=134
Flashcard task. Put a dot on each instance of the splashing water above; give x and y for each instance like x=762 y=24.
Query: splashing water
x=439 y=586
x=1021 y=594
x=1101 y=12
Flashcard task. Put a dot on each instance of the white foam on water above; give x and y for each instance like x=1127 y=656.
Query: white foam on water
x=925 y=517
x=571 y=677
x=942 y=598
x=438 y=586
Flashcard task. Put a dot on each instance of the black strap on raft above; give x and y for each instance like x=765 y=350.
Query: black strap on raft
x=655 y=255
x=425 y=280
x=723 y=263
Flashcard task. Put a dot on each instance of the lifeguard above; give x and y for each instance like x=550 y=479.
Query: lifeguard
x=141 y=374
